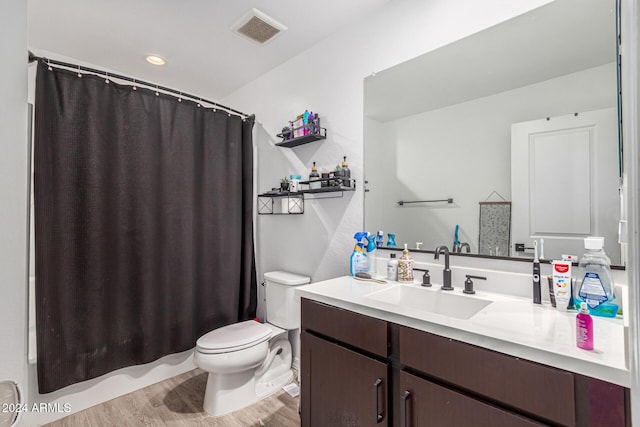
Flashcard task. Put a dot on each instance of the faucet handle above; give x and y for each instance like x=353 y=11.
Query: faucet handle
x=426 y=279
x=468 y=284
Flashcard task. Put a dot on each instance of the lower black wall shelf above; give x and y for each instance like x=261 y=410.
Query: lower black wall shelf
x=292 y=203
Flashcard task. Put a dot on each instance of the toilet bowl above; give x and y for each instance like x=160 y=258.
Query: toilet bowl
x=247 y=361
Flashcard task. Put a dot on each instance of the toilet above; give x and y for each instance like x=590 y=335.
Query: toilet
x=247 y=361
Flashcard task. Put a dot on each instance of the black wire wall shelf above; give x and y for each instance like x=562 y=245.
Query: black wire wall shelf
x=301 y=140
x=292 y=202
x=303 y=134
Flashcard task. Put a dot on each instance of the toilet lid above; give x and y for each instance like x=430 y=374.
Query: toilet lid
x=284 y=278
x=236 y=335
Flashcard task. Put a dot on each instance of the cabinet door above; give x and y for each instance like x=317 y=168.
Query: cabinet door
x=341 y=387
x=519 y=384
x=427 y=404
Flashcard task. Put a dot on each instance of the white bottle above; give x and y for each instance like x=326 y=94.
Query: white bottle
x=392 y=268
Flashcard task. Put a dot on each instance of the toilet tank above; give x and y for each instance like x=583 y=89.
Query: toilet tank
x=283 y=306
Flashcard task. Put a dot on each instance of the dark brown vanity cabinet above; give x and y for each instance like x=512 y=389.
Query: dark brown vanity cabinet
x=344 y=375
x=360 y=371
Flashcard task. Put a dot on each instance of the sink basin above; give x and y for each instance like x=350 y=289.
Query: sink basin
x=445 y=303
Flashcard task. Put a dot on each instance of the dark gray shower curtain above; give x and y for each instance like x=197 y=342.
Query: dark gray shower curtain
x=143 y=222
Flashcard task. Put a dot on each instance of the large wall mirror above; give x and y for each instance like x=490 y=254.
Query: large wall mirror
x=504 y=138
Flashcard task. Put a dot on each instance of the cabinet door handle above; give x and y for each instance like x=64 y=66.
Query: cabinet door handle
x=404 y=414
x=376 y=394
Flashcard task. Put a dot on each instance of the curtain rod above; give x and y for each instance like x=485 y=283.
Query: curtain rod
x=49 y=62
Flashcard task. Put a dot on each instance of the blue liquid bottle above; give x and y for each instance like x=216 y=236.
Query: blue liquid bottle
x=391 y=242
x=595 y=284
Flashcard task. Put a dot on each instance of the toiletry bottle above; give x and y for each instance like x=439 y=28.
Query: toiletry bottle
x=298 y=129
x=380 y=238
x=312 y=123
x=314 y=176
x=346 y=173
x=392 y=268
x=561 y=275
x=584 y=328
x=325 y=178
x=595 y=284
x=405 y=266
x=295 y=183
x=391 y=240
x=359 y=262
x=371 y=254
x=305 y=122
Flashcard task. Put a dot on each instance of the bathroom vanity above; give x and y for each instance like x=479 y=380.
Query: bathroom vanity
x=370 y=357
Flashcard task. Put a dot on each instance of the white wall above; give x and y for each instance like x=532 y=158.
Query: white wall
x=328 y=79
x=463 y=151
x=13 y=189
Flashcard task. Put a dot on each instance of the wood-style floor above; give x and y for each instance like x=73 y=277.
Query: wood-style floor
x=178 y=402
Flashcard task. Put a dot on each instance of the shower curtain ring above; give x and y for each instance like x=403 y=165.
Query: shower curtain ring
x=49 y=65
x=79 y=73
x=134 y=85
x=199 y=103
x=180 y=97
x=106 y=80
x=157 y=93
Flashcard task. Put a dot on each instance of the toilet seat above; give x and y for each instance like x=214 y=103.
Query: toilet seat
x=247 y=361
x=234 y=337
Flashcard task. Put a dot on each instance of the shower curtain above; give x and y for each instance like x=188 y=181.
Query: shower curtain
x=143 y=225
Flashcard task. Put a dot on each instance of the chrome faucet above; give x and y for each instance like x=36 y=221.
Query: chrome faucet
x=464 y=245
x=446 y=273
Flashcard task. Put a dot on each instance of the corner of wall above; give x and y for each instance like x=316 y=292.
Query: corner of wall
x=13 y=191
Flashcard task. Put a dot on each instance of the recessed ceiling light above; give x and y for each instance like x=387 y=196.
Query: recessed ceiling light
x=155 y=60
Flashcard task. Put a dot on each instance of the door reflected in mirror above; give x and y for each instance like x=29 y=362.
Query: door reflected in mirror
x=440 y=127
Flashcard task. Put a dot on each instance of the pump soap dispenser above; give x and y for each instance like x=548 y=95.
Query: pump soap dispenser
x=346 y=173
x=405 y=266
x=314 y=177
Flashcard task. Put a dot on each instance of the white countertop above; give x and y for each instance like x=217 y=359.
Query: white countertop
x=510 y=325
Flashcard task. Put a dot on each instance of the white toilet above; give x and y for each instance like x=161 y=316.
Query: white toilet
x=248 y=361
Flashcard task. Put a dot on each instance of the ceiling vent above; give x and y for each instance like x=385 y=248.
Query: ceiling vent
x=258 y=27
